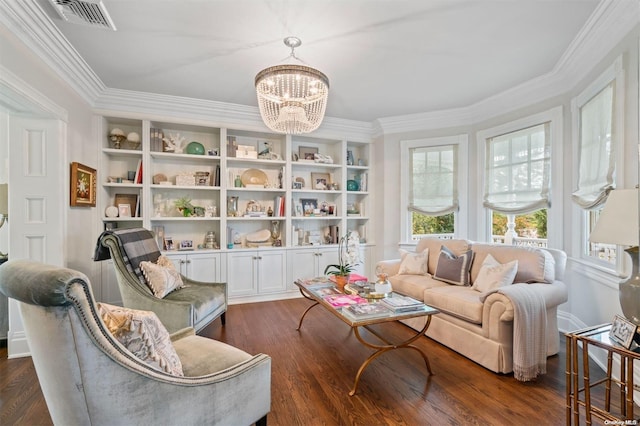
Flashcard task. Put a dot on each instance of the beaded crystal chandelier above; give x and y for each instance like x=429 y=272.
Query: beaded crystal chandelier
x=292 y=98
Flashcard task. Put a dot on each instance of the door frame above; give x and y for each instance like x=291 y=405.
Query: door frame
x=18 y=98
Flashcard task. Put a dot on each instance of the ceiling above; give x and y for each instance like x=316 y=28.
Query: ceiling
x=384 y=58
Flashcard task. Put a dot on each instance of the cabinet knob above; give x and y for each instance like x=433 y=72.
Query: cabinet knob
x=182 y=261
x=188 y=261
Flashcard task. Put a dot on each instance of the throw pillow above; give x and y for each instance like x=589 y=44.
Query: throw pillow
x=414 y=263
x=162 y=277
x=453 y=269
x=142 y=333
x=494 y=274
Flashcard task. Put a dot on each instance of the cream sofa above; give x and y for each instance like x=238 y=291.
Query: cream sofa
x=482 y=331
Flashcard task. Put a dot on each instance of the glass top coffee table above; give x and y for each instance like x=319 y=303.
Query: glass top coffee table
x=317 y=289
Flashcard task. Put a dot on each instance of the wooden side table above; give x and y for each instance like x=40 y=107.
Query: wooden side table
x=597 y=336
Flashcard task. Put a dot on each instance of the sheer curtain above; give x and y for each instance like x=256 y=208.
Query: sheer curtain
x=434 y=184
x=596 y=172
x=518 y=171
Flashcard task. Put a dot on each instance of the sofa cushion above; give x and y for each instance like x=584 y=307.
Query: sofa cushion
x=494 y=274
x=534 y=265
x=142 y=333
x=434 y=245
x=414 y=263
x=459 y=301
x=414 y=285
x=454 y=269
x=162 y=277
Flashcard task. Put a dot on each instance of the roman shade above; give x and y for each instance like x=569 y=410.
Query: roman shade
x=434 y=184
x=518 y=171
x=596 y=150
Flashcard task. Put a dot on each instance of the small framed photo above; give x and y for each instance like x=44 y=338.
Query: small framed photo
x=320 y=181
x=124 y=210
x=299 y=211
x=297 y=185
x=307 y=153
x=129 y=199
x=186 y=245
x=168 y=243
x=622 y=331
x=309 y=206
x=83 y=186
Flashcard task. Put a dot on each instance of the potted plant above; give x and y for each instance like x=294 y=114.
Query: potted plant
x=348 y=259
x=184 y=206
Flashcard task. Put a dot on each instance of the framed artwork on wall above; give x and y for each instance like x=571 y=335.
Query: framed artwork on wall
x=83 y=186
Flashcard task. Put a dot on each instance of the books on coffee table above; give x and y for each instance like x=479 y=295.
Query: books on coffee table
x=317 y=282
x=398 y=303
x=339 y=300
x=365 y=311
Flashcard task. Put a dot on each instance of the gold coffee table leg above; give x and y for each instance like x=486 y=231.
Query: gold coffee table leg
x=381 y=349
x=305 y=313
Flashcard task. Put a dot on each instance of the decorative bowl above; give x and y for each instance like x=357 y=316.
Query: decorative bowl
x=352 y=185
x=195 y=148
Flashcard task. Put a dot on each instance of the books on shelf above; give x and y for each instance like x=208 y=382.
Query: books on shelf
x=278 y=206
x=156 y=135
x=138 y=176
x=339 y=300
x=365 y=311
x=398 y=303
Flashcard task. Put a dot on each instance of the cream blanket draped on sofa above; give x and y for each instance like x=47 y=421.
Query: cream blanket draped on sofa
x=529 y=330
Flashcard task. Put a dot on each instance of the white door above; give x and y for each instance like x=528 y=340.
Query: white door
x=37 y=203
x=37 y=190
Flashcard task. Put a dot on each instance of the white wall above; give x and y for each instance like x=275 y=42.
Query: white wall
x=81 y=222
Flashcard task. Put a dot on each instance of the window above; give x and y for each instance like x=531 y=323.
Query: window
x=431 y=186
x=597 y=116
x=518 y=172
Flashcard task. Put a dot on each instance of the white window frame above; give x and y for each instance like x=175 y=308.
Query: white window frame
x=614 y=73
x=554 y=117
x=461 y=216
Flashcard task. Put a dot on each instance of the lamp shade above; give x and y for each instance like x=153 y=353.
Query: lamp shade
x=4 y=199
x=618 y=221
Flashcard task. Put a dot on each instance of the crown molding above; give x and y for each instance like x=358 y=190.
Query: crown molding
x=20 y=98
x=610 y=22
x=33 y=27
x=213 y=113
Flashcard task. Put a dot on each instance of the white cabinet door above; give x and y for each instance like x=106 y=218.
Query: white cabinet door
x=327 y=256
x=256 y=272
x=241 y=273
x=203 y=267
x=272 y=271
x=303 y=263
x=310 y=262
x=197 y=266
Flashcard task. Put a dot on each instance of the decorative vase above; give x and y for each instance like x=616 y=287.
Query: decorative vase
x=383 y=285
x=341 y=281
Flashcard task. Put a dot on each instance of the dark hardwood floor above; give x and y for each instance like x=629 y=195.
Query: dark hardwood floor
x=313 y=370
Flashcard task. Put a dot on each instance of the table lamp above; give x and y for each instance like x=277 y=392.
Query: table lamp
x=4 y=208
x=618 y=224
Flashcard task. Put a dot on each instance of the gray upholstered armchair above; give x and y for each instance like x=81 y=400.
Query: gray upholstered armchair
x=196 y=305
x=90 y=378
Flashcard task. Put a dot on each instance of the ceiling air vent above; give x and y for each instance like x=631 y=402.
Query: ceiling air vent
x=85 y=12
